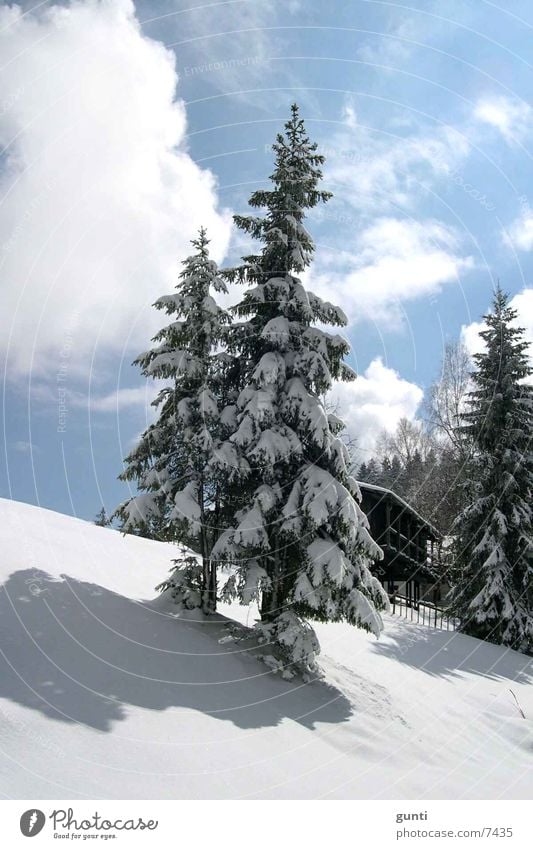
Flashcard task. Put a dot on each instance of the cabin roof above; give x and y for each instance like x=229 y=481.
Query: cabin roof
x=388 y=493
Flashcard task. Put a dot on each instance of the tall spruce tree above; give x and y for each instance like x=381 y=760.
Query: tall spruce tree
x=300 y=543
x=494 y=596
x=177 y=462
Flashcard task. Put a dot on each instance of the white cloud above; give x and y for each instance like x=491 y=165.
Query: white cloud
x=120 y=399
x=394 y=261
x=379 y=172
x=231 y=45
x=349 y=115
x=23 y=447
x=513 y=119
x=392 y=48
x=523 y=304
x=376 y=400
x=520 y=233
x=471 y=338
x=99 y=194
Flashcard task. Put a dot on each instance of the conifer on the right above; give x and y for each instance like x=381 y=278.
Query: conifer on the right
x=494 y=544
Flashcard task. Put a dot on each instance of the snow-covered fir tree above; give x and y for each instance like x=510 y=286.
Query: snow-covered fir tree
x=102 y=519
x=494 y=555
x=176 y=463
x=300 y=543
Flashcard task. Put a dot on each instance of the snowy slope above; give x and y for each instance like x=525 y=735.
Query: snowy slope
x=104 y=693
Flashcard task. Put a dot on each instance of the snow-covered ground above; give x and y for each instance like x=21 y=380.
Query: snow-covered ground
x=104 y=693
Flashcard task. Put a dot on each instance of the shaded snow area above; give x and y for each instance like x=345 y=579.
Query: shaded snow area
x=105 y=693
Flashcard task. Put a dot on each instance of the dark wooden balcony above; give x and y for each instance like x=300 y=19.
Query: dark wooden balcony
x=411 y=545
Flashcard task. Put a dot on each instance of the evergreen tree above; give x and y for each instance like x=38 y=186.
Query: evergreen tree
x=396 y=474
x=447 y=488
x=373 y=472
x=362 y=473
x=386 y=473
x=177 y=462
x=494 y=596
x=102 y=519
x=413 y=478
x=300 y=544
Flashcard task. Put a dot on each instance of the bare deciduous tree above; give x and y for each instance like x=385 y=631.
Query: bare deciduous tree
x=446 y=398
x=409 y=439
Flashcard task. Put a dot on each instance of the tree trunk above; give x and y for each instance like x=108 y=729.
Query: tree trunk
x=270 y=598
x=206 y=563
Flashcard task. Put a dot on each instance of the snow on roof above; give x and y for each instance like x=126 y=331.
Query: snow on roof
x=375 y=488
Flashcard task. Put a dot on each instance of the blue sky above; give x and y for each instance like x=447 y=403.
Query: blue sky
x=124 y=127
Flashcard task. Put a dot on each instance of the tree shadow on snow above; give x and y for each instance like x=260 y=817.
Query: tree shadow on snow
x=80 y=653
x=447 y=653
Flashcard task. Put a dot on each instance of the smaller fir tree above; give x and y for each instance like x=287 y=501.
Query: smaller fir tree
x=177 y=463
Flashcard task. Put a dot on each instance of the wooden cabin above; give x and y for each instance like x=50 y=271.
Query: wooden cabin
x=411 y=546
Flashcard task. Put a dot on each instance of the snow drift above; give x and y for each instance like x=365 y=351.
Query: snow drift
x=105 y=693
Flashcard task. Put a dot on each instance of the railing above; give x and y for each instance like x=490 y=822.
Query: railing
x=422 y=612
